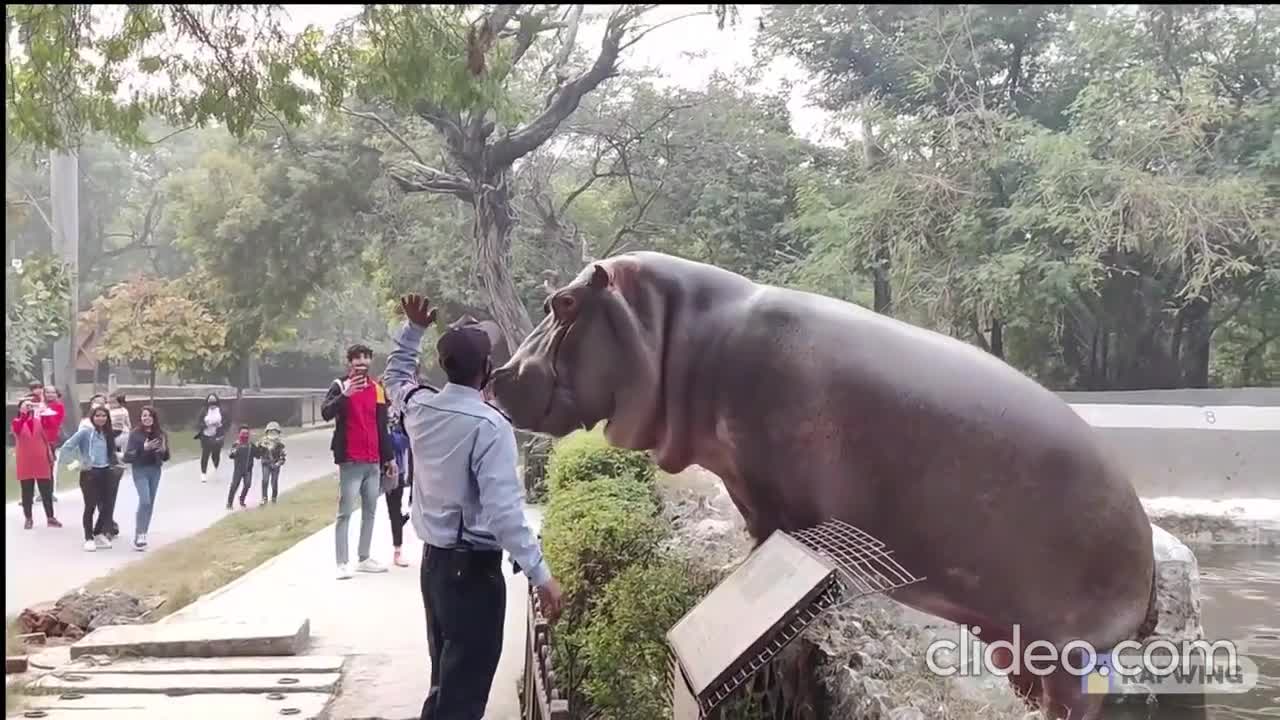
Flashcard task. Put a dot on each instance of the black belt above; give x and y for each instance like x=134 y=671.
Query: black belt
x=471 y=558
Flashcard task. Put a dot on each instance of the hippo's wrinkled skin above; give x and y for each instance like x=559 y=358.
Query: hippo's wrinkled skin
x=809 y=408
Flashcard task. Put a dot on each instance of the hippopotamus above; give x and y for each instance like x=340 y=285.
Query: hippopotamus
x=980 y=480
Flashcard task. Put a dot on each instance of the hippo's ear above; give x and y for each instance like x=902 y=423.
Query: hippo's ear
x=599 y=278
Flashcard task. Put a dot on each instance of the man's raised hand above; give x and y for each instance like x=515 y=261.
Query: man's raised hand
x=418 y=310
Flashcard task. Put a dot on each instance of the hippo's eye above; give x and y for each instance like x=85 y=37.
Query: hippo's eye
x=564 y=306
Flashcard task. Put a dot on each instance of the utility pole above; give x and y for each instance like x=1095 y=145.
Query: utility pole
x=64 y=196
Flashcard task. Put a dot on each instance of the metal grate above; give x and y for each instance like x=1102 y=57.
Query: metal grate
x=864 y=564
x=803 y=617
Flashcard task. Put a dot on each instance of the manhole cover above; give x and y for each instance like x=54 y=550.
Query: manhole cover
x=179 y=692
x=72 y=677
x=287 y=681
x=275 y=696
x=70 y=696
x=290 y=711
x=35 y=714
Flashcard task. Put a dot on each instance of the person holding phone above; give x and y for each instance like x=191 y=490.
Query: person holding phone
x=146 y=450
x=362 y=450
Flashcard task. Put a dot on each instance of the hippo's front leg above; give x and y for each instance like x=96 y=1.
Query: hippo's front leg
x=760 y=525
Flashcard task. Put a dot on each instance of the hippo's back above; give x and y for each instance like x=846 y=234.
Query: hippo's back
x=976 y=475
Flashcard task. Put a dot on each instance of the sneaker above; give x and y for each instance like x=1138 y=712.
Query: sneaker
x=344 y=572
x=398 y=560
x=101 y=542
x=90 y=546
x=143 y=539
x=53 y=523
x=204 y=477
x=28 y=524
x=369 y=565
x=139 y=545
x=228 y=506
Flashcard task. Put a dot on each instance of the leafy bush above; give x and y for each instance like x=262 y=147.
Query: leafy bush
x=625 y=640
x=585 y=456
x=594 y=530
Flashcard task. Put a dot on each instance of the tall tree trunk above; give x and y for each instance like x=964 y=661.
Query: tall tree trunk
x=255 y=373
x=883 y=291
x=997 y=338
x=153 y=382
x=873 y=157
x=1197 y=337
x=494 y=220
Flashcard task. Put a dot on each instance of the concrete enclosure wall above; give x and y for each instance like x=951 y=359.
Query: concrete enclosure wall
x=1191 y=443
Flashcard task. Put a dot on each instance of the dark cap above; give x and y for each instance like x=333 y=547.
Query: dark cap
x=464 y=349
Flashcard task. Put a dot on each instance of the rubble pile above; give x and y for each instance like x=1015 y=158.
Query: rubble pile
x=78 y=613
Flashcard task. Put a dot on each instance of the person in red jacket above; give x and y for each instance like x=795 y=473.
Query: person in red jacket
x=34 y=460
x=53 y=431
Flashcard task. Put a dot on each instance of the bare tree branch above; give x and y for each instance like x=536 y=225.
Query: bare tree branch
x=389 y=130
x=566 y=100
x=31 y=200
x=448 y=124
x=419 y=177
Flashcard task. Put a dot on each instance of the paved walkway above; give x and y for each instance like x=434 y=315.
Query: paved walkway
x=375 y=620
x=44 y=563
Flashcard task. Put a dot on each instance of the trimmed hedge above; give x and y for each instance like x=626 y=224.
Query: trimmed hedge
x=594 y=530
x=604 y=536
x=586 y=455
x=626 y=640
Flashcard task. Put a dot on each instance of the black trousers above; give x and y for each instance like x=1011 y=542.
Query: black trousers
x=29 y=496
x=210 y=449
x=236 y=476
x=95 y=485
x=465 y=599
x=396 y=515
x=110 y=528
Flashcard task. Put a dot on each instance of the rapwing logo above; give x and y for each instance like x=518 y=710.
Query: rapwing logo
x=1098 y=680
x=1193 y=671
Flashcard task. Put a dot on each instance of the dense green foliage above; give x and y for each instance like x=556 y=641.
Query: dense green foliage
x=606 y=541
x=585 y=456
x=37 y=295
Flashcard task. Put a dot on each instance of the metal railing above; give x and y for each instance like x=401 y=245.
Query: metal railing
x=541 y=698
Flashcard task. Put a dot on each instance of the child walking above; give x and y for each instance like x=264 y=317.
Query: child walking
x=273 y=457
x=242 y=455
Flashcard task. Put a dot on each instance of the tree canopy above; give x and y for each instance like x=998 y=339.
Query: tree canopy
x=1089 y=192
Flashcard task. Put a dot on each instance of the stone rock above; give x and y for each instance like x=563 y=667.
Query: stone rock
x=1177 y=588
x=873 y=687
x=906 y=713
x=1253 y=521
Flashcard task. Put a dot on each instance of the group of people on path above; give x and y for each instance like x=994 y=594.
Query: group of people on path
x=100 y=448
x=106 y=441
x=211 y=433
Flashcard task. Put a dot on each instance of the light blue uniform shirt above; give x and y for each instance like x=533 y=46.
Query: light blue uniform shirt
x=464 y=465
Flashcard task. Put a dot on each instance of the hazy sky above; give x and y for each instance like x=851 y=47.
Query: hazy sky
x=687 y=51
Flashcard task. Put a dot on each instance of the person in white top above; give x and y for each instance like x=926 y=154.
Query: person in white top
x=210 y=431
x=120 y=421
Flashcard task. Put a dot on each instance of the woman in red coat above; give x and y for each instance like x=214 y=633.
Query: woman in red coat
x=34 y=460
